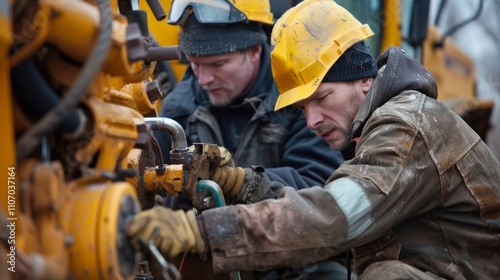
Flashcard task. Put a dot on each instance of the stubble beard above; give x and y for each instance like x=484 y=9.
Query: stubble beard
x=219 y=101
x=344 y=143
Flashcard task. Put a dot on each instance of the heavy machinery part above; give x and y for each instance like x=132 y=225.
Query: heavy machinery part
x=98 y=214
x=30 y=139
x=54 y=18
x=170 y=180
x=175 y=130
x=37 y=98
x=165 y=35
x=73 y=229
x=149 y=177
x=152 y=175
x=75 y=189
x=40 y=232
x=113 y=135
x=293 y=52
x=201 y=163
x=198 y=162
x=73 y=204
x=139 y=96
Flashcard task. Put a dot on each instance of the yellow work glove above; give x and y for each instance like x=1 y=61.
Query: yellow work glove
x=178 y=231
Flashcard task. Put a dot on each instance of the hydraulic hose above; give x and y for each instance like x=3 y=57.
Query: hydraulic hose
x=36 y=98
x=29 y=140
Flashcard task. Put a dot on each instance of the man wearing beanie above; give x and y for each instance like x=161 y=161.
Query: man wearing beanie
x=227 y=97
x=418 y=196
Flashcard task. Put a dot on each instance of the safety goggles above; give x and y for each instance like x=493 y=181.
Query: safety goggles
x=206 y=12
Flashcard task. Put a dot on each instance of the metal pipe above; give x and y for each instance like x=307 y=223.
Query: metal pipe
x=173 y=128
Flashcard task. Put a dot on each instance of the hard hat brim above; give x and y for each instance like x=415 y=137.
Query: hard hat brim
x=296 y=94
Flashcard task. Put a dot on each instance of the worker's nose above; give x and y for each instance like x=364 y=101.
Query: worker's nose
x=205 y=76
x=313 y=117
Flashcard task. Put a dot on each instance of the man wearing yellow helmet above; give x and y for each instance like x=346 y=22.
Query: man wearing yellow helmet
x=227 y=97
x=418 y=197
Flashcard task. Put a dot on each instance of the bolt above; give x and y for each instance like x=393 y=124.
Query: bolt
x=153 y=90
x=135 y=47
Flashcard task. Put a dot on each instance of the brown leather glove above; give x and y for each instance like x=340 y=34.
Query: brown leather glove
x=246 y=185
x=178 y=231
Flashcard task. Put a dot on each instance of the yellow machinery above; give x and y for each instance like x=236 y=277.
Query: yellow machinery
x=80 y=87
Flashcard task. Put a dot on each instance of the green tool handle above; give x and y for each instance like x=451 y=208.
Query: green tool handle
x=218 y=196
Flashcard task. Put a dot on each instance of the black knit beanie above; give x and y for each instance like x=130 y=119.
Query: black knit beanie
x=206 y=40
x=355 y=63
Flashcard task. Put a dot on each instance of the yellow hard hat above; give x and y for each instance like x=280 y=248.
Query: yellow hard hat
x=255 y=10
x=306 y=41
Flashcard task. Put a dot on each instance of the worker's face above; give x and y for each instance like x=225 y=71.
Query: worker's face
x=227 y=77
x=330 y=111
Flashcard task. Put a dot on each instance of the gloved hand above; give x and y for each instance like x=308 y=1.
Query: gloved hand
x=246 y=185
x=226 y=158
x=178 y=231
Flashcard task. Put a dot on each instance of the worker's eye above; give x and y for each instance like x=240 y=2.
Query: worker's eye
x=322 y=96
x=218 y=63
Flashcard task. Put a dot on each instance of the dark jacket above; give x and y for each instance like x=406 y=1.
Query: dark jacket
x=417 y=171
x=252 y=131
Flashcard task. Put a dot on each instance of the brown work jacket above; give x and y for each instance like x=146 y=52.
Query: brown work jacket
x=418 y=171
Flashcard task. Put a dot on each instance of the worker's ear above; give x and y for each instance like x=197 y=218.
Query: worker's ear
x=366 y=84
x=254 y=52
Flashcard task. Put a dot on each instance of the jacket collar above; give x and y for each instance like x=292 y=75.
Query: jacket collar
x=397 y=73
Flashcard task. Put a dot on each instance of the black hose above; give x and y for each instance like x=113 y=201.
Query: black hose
x=35 y=96
x=454 y=29
x=29 y=140
x=160 y=168
x=439 y=12
x=463 y=23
